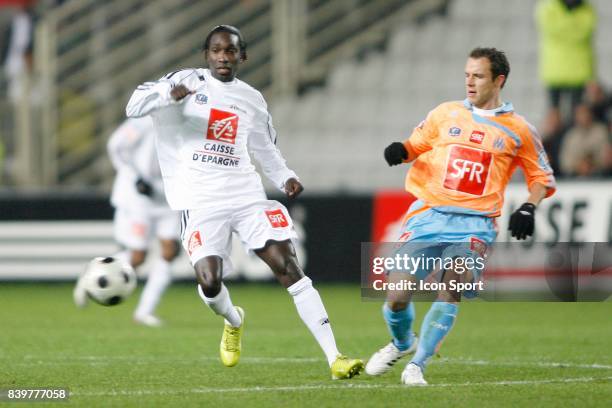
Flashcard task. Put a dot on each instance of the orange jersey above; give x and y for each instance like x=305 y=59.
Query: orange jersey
x=465 y=160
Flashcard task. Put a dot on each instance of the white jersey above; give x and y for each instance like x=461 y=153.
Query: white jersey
x=132 y=151
x=203 y=140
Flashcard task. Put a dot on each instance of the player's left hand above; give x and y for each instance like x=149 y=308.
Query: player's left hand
x=522 y=221
x=293 y=188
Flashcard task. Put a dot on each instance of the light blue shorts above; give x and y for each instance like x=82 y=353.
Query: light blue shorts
x=437 y=233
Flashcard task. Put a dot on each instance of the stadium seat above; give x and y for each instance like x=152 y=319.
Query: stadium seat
x=380 y=99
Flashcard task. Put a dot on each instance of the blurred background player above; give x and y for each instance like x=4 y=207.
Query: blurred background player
x=141 y=211
x=207 y=121
x=464 y=154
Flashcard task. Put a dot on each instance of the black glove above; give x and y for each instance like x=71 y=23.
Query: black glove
x=395 y=153
x=144 y=187
x=522 y=221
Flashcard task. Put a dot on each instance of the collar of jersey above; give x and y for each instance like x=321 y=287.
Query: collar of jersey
x=505 y=107
x=214 y=80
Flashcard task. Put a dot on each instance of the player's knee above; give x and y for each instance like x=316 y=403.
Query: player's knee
x=289 y=270
x=170 y=249
x=451 y=278
x=285 y=259
x=208 y=274
x=137 y=258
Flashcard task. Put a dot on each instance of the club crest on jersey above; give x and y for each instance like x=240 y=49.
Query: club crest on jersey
x=477 y=136
x=277 y=219
x=499 y=143
x=201 y=99
x=222 y=126
x=454 y=131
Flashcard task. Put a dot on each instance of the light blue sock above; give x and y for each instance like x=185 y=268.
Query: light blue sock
x=400 y=325
x=437 y=323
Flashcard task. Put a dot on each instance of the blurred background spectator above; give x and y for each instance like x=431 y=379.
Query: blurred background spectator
x=16 y=52
x=599 y=101
x=334 y=72
x=566 y=30
x=17 y=55
x=585 y=148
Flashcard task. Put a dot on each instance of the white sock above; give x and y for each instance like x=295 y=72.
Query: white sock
x=222 y=305
x=310 y=308
x=157 y=283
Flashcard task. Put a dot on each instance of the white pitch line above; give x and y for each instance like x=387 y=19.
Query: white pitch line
x=545 y=364
x=40 y=360
x=299 y=388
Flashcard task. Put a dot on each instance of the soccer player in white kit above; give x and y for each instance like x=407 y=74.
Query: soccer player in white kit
x=141 y=210
x=207 y=121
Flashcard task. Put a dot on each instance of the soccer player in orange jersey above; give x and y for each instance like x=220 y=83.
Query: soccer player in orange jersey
x=463 y=154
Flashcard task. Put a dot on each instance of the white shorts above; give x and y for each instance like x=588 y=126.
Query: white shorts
x=208 y=232
x=135 y=229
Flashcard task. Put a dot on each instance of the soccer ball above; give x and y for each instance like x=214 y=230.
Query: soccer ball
x=106 y=281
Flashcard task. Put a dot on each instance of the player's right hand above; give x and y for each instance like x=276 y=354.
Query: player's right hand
x=143 y=187
x=293 y=188
x=396 y=153
x=179 y=92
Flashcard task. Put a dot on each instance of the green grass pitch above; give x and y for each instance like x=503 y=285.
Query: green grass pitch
x=498 y=354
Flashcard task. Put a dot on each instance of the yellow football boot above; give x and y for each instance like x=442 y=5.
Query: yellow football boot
x=344 y=368
x=230 y=342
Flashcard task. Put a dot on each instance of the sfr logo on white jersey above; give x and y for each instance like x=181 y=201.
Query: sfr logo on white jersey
x=222 y=126
x=467 y=169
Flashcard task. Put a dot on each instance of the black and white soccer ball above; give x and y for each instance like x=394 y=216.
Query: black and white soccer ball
x=107 y=281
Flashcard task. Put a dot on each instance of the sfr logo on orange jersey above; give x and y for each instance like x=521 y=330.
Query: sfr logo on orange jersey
x=467 y=169
x=477 y=136
x=222 y=126
x=195 y=241
x=277 y=218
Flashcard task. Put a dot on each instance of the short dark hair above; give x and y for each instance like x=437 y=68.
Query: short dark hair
x=225 y=28
x=498 y=60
